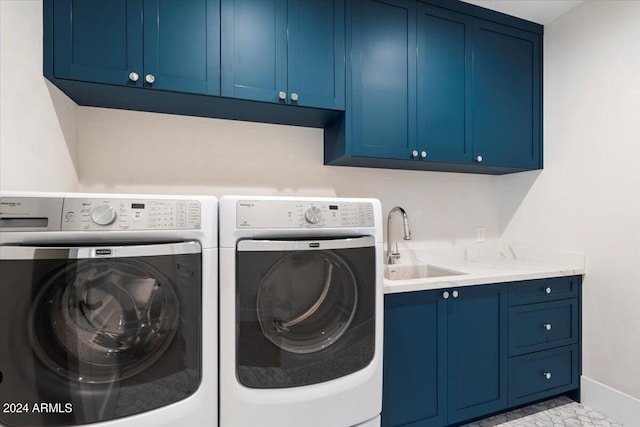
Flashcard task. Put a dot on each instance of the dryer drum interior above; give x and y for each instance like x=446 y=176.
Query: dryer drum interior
x=307 y=301
x=304 y=316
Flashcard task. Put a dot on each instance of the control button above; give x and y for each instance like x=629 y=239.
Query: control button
x=313 y=215
x=103 y=215
x=70 y=216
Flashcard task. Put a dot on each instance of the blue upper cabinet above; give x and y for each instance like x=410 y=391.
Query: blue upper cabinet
x=181 y=45
x=507 y=96
x=382 y=113
x=316 y=70
x=254 y=49
x=444 y=84
x=98 y=41
x=288 y=52
x=438 y=85
x=164 y=44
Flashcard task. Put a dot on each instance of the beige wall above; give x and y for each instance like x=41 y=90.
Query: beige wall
x=588 y=196
x=38 y=129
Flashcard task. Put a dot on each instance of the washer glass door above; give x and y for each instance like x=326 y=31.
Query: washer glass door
x=97 y=333
x=305 y=310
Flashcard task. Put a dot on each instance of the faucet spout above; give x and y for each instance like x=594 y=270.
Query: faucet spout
x=394 y=255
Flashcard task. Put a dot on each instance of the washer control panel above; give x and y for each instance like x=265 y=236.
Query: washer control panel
x=303 y=214
x=130 y=214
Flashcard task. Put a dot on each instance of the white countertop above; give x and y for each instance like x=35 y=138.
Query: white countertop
x=480 y=264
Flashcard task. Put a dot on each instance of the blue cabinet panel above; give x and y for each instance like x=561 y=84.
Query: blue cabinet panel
x=98 y=41
x=182 y=45
x=543 y=374
x=287 y=52
x=543 y=290
x=477 y=351
x=175 y=42
x=541 y=326
x=415 y=362
x=383 y=70
x=506 y=96
x=254 y=49
x=444 y=84
x=316 y=53
x=446 y=353
x=432 y=85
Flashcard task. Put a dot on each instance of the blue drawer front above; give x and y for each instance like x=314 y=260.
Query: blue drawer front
x=541 y=290
x=542 y=326
x=527 y=380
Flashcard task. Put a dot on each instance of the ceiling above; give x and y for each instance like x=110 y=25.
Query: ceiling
x=540 y=11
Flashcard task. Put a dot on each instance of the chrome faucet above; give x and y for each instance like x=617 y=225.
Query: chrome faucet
x=394 y=255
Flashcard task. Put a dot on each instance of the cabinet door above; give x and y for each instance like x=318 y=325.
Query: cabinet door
x=506 y=96
x=316 y=53
x=477 y=350
x=254 y=49
x=182 y=45
x=98 y=40
x=415 y=363
x=383 y=72
x=444 y=84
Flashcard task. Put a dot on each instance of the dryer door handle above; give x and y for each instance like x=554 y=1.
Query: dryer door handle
x=305 y=245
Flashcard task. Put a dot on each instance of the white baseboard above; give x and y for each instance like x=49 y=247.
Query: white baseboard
x=614 y=404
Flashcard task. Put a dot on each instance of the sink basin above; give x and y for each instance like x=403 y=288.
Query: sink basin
x=420 y=271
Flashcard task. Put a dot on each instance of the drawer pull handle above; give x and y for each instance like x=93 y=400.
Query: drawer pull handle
x=548 y=290
x=445 y=295
x=547 y=375
x=455 y=294
x=547 y=326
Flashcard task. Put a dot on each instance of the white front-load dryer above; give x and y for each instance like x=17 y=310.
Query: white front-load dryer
x=108 y=314
x=301 y=307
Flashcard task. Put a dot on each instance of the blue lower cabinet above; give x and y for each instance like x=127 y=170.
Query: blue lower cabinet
x=543 y=374
x=445 y=355
x=415 y=363
x=458 y=354
x=477 y=351
x=536 y=327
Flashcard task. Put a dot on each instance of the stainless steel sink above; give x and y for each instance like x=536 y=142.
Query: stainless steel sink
x=419 y=271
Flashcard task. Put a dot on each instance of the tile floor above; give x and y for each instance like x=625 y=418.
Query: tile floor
x=562 y=412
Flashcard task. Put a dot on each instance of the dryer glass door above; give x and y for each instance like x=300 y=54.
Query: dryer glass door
x=305 y=310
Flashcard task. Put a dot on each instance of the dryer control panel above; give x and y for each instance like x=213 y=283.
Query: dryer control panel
x=130 y=214
x=303 y=214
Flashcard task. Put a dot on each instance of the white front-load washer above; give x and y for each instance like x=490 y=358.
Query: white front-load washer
x=108 y=314
x=301 y=307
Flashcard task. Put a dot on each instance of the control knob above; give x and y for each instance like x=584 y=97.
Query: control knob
x=103 y=215
x=313 y=215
